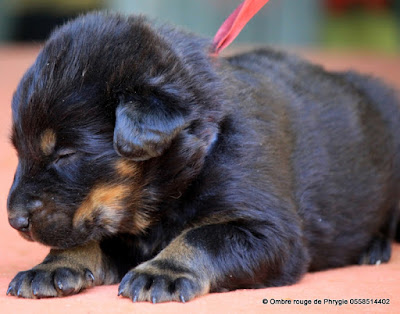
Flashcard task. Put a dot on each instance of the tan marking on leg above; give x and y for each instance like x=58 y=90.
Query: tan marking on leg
x=178 y=249
x=181 y=253
x=48 y=141
x=88 y=256
x=100 y=200
x=126 y=168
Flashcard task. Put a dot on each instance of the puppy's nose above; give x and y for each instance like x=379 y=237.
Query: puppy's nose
x=20 y=211
x=20 y=223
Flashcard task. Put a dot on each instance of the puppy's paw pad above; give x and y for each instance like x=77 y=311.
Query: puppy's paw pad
x=44 y=283
x=149 y=283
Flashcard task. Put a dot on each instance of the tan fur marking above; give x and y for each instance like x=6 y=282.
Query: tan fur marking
x=48 y=141
x=126 y=169
x=86 y=256
x=179 y=250
x=184 y=254
x=103 y=198
x=142 y=222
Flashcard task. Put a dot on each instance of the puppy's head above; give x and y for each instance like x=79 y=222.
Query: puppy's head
x=112 y=119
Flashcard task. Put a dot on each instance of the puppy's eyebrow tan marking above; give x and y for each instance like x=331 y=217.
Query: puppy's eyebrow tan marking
x=48 y=141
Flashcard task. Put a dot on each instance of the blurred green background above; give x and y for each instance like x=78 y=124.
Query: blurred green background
x=372 y=25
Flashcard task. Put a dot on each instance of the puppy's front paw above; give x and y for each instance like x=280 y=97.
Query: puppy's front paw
x=162 y=281
x=46 y=281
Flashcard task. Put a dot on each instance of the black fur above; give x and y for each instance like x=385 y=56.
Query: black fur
x=239 y=172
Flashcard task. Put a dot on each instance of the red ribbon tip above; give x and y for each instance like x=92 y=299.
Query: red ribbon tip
x=235 y=23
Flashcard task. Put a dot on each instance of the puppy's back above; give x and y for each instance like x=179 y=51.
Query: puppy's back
x=345 y=157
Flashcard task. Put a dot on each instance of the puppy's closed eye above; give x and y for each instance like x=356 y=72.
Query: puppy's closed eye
x=64 y=155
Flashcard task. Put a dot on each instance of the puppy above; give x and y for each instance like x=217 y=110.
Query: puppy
x=146 y=159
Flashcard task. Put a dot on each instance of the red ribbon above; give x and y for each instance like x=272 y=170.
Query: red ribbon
x=235 y=23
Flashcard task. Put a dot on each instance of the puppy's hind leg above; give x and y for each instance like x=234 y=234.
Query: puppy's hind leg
x=397 y=222
x=378 y=251
x=379 y=248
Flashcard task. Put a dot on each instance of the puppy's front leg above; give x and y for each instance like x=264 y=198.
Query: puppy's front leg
x=64 y=272
x=215 y=257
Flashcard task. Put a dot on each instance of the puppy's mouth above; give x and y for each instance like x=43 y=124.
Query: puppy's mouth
x=27 y=234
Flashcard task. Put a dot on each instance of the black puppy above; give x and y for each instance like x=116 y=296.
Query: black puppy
x=142 y=157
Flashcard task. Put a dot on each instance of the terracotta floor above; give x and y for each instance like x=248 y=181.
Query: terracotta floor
x=372 y=282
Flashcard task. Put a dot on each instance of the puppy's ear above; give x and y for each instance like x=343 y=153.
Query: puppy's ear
x=144 y=129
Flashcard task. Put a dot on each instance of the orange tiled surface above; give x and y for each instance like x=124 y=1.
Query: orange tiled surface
x=16 y=254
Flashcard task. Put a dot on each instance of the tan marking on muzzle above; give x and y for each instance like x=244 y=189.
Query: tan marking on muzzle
x=102 y=199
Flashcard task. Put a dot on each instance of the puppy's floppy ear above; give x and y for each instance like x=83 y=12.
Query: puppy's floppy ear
x=145 y=128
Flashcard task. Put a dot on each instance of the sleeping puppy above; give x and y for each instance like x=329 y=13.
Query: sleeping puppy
x=146 y=159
